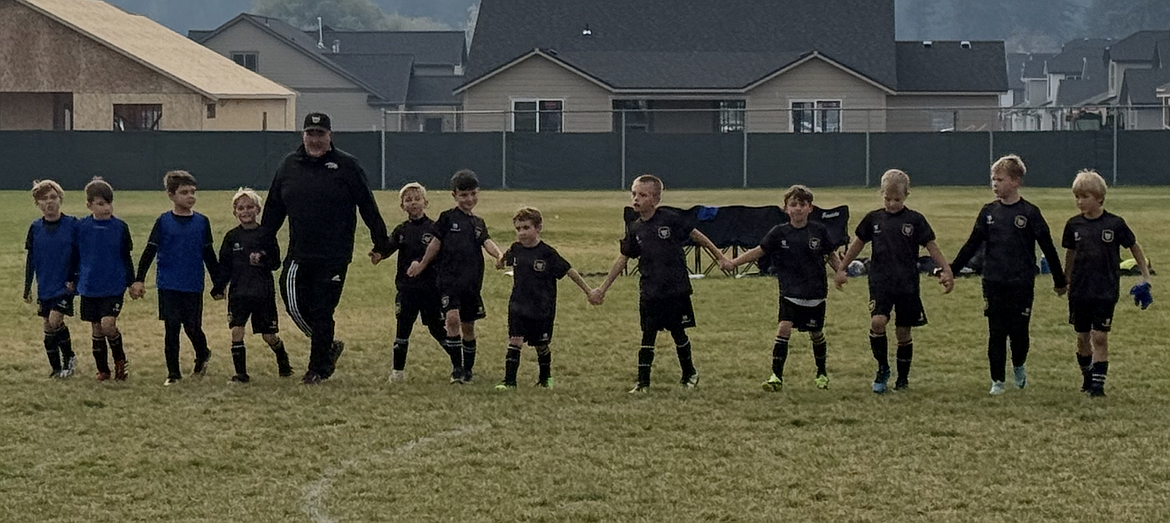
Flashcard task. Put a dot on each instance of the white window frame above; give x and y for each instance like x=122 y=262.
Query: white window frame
x=256 y=54
x=816 y=116
x=512 y=111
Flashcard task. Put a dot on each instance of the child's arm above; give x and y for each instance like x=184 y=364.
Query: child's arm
x=945 y=277
x=209 y=259
x=1140 y=258
x=840 y=279
x=417 y=267
x=492 y=249
x=1069 y=254
x=137 y=282
x=225 y=268
x=701 y=239
x=127 y=246
x=1044 y=239
x=576 y=277
x=29 y=270
x=968 y=250
x=598 y=295
x=748 y=257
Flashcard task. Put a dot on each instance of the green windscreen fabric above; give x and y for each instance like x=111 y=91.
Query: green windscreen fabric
x=687 y=161
x=564 y=161
x=431 y=158
x=1054 y=157
x=820 y=160
x=932 y=158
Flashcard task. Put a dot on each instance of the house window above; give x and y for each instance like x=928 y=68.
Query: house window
x=137 y=117
x=210 y=111
x=538 y=116
x=816 y=116
x=248 y=60
x=433 y=125
x=942 y=121
x=731 y=116
x=634 y=113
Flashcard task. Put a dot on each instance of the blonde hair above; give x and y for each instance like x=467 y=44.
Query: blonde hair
x=249 y=193
x=41 y=188
x=1011 y=165
x=895 y=179
x=529 y=214
x=1089 y=183
x=650 y=179
x=412 y=186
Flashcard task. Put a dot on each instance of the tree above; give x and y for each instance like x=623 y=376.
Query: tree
x=340 y=14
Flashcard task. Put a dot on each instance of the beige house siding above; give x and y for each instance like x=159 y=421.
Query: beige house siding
x=917 y=113
x=769 y=104
x=348 y=109
x=538 y=78
x=26 y=111
x=180 y=112
x=251 y=115
x=415 y=122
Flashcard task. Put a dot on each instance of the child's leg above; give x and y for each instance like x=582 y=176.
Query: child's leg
x=1021 y=343
x=544 y=362
x=646 y=356
x=100 y=351
x=1085 y=359
x=997 y=339
x=878 y=343
x=114 y=339
x=905 y=354
x=407 y=313
x=454 y=344
x=52 y=345
x=284 y=368
x=820 y=350
x=467 y=329
x=512 y=360
x=193 y=326
x=239 y=352
x=1100 y=343
x=64 y=341
x=682 y=345
x=171 y=329
x=780 y=348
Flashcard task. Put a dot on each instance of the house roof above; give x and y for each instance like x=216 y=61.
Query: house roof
x=1140 y=86
x=948 y=66
x=427 y=47
x=1034 y=66
x=1092 y=88
x=159 y=49
x=859 y=34
x=388 y=74
x=1015 y=69
x=1137 y=47
x=434 y=90
x=1076 y=53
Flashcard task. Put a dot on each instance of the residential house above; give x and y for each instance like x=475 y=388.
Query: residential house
x=720 y=66
x=363 y=79
x=1138 y=64
x=1015 y=78
x=1163 y=94
x=1077 y=84
x=1024 y=115
x=87 y=65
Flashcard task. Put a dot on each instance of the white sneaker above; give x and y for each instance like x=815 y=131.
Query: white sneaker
x=397 y=376
x=996 y=388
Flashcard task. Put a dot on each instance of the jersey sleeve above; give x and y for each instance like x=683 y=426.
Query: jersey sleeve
x=275 y=210
x=771 y=241
x=394 y=244
x=148 y=252
x=225 y=265
x=127 y=246
x=560 y=266
x=1125 y=235
x=864 y=231
x=1043 y=237
x=1068 y=239
x=629 y=245
x=925 y=233
x=977 y=237
x=29 y=270
x=486 y=235
x=442 y=226
x=510 y=256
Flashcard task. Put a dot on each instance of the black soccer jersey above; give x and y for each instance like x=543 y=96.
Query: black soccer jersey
x=1011 y=233
x=897 y=238
x=658 y=245
x=1097 y=245
x=461 y=254
x=410 y=239
x=235 y=264
x=534 y=288
x=798 y=258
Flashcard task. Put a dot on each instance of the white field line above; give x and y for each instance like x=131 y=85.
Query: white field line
x=312 y=502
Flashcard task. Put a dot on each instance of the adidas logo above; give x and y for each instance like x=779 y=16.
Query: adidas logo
x=336 y=278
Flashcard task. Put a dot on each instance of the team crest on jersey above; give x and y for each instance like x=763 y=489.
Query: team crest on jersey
x=908 y=229
x=1027 y=312
x=446 y=300
x=454 y=227
x=330 y=165
x=814 y=243
x=877 y=228
x=1107 y=322
x=1076 y=236
x=1021 y=221
x=872 y=305
x=783 y=244
x=236 y=247
x=664 y=233
x=538 y=265
x=426 y=238
x=1107 y=235
x=478 y=232
x=990 y=220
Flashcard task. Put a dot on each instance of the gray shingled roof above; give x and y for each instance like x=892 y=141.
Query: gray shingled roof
x=683 y=70
x=428 y=47
x=434 y=90
x=1015 y=69
x=1076 y=53
x=946 y=66
x=1034 y=67
x=1092 y=87
x=1140 y=86
x=388 y=73
x=1137 y=47
x=859 y=34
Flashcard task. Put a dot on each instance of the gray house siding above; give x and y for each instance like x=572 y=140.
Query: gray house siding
x=538 y=78
x=769 y=105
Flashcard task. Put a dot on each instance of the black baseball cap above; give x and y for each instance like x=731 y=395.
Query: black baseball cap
x=317 y=121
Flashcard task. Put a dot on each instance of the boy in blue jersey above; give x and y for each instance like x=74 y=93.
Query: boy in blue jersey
x=181 y=238
x=50 y=250
x=105 y=270
x=247 y=258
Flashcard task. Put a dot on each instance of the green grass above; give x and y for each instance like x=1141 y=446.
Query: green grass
x=359 y=449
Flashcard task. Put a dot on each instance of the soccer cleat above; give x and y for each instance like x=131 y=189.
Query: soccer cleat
x=901 y=384
x=996 y=388
x=546 y=383
x=54 y=374
x=465 y=377
x=171 y=381
x=822 y=381
x=397 y=376
x=503 y=386
x=640 y=388
x=1097 y=392
x=335 y=351
x=120 y=371
x=201 y=366
x=774 y=384
x=68 y=367
x=1021 y=376
x=103 y=376
x=690 y=382
x=880 y=380
x=311 y=378
x=282 y=365
x=240 y=378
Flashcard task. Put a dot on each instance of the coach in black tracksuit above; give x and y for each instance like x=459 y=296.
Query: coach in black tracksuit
x=317 y=187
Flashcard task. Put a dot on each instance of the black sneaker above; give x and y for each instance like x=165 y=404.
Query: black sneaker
x=901 y=384
x=283 y=366
x=311 y=378
x=240 y=378
x=335 y=351
x=201 y=366
x=456 y=376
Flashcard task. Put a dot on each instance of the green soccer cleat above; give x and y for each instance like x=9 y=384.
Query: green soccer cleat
x=546 y=383
x=505 y=386
x=822 y=381
x=774 y=384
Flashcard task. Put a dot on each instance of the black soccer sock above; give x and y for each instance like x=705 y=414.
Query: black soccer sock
x=779 y=356
x=645 y=362
x=100 y=354
x=240 y=358
x=997 y=337
x=1020 y=342
x=685 y=363
x=116 y=350
x=198 y=342
x=454 y=347
x=544 y=360
x=1098 y=372
x=879 y=345
x=401 y=347
x=282 y=364
x=905 y=356
x=171 y=331
x=65 y=343
x=1086 y=364
x=468 y=357
x=53 y=351
x=511 y=364
x=820 y=353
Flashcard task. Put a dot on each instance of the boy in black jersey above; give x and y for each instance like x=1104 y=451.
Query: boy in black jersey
x=181 y=238
x=1093 y=240
x=533 y=305
x=897 y=234
x=799 y=250
x=50 y=244
x=657 y=238
x=417 y=296
x=460 y=239
x=247 y=258
x=1010 y=227
x=105 y=270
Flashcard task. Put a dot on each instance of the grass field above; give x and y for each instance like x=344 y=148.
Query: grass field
x=360 y=449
